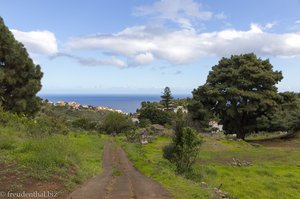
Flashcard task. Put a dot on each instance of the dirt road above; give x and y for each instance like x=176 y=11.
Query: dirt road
x=120 y=180
x=290 y=142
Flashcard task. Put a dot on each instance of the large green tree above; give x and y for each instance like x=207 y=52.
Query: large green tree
x=20 y=78
x=285 y=117
x=166 y=99
x=239 y=90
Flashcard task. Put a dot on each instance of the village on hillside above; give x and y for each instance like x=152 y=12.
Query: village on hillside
x=77 y=106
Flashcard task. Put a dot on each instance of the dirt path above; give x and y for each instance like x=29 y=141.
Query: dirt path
x=290 y=142
x=120 y=180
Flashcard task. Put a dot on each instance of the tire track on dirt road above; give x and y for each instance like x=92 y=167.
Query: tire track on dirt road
x=119 y=180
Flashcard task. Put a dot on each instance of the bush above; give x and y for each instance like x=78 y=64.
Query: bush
x=115 y=123
x=14 y=120
x=144 y=123
x=85 y=124
x=155 y=115
x=133 y=136
x=169 y=152
x=184 y=149
x=47 y=124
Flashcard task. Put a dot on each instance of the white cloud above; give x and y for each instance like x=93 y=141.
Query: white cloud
x=112 y=61
x=270 y=25
x=143 y=58
x=141 y=45
x=37 y=42
x=183 y=12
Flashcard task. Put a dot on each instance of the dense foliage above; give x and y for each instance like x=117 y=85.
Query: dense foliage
x=43 y=125
x=115 y=123
x=84 y=124
x=183 y=150
x=151 y=112
x=239 y=90
x=199 y=115
x=286 y=116
x=20 y=78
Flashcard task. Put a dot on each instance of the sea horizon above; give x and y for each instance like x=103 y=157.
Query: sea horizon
x=127 y=103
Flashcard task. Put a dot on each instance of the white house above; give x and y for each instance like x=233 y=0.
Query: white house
x=184 y=110
x=215 y=125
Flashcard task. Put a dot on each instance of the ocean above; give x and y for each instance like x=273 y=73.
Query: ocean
x=126 y=103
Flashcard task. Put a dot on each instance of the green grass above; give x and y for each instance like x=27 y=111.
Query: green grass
x=71 y=114
x=272 y=174
x=71 y=158
x=253 y=181
x=148 y=159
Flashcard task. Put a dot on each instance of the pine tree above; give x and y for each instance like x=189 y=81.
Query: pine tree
x=239 y=90
x=20 y=78
x=167 y=99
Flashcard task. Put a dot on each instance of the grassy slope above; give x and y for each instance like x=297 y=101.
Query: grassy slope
x=54 y=156
x=148 y=159
x=71 y=114
x=273 y=173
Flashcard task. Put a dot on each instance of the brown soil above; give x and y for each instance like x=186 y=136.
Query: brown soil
x=16 y=180
x=120 y=180
x=293 y=142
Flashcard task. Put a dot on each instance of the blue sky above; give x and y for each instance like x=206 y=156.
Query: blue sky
x=141 y=46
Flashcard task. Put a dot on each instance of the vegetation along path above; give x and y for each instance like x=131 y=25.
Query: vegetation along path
x=119 y=180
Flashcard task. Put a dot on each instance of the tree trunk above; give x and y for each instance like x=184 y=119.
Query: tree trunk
x=241 y=135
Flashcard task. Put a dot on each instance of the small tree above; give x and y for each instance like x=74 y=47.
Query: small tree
x=167 y=99
x=184 y=149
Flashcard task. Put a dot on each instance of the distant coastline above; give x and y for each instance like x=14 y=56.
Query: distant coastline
x=127 y=103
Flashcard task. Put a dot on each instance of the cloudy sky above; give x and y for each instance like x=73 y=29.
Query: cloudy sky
x=141 y=46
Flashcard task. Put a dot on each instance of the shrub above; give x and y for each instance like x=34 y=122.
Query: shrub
x=8 y=119
x=115 y=123
x=155 y=115
x=47 y=124
x=169 y=152
x=133 y=136
x=144 y=123
x=85 y=124
x=183 y=151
